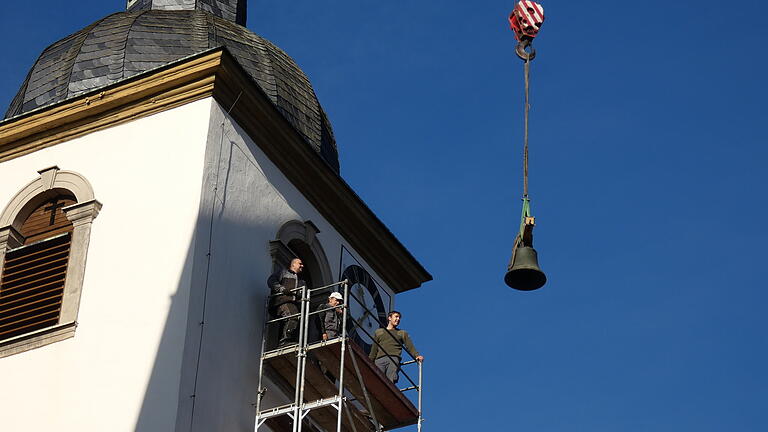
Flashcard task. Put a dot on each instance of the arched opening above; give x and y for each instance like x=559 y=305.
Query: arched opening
x=48 y=219
x=33 y=275
x=44 y=235
x=297 y=239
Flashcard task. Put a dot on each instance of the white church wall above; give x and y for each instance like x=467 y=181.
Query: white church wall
x=249 y=199
x=121 y=371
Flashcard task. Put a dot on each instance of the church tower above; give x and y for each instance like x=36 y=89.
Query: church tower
x=156 y=167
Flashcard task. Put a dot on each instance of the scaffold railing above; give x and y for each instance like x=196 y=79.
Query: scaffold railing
x=323 y=379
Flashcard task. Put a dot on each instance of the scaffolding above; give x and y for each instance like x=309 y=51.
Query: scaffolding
x=335 y=386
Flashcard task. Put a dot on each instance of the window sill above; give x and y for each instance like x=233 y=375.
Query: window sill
x=37 y=339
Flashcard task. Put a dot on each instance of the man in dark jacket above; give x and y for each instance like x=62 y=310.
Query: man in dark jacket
x=285 y=301
x=330 y=316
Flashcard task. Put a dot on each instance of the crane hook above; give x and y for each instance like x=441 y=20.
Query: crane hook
x=526 y=21
x=521 y=52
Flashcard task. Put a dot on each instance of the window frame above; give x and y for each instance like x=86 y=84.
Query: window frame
x=51 y=181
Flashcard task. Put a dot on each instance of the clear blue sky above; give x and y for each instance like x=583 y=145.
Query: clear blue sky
x=648 y=154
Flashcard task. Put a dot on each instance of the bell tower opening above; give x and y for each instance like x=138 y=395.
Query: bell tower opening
x=296 y=239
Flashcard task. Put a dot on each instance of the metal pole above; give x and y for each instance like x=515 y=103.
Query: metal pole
x=421 y=387
x=303 y=338
x=327 y=286
x=297 y=391
x=365 y=392
x=350 y=419
x=261 y=391
x=343 y=351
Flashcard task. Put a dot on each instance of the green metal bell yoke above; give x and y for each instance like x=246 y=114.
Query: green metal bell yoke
x=523 y=272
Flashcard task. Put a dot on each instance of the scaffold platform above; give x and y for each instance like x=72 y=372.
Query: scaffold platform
x=336 y=386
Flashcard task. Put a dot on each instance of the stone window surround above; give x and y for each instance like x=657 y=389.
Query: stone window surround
x=315 y=263
x=51 y=182
x=307 y=233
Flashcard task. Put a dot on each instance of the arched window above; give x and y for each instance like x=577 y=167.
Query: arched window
x=32 y=286
x=44 y=236
x=296 y=239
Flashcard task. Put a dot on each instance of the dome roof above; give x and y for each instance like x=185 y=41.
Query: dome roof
x=126 y=44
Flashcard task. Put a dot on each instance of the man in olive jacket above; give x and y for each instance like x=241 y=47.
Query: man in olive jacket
x=285 y=301
x=388 y=346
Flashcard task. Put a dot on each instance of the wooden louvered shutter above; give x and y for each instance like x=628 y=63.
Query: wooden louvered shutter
x=47 y=220
x=33 y=277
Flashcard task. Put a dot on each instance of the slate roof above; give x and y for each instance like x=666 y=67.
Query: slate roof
x=233 y=10
x=126 y=44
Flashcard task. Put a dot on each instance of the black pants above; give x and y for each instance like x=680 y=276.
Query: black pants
x=289 y=329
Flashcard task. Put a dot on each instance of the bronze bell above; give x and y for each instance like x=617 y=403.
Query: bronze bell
x=523 y=272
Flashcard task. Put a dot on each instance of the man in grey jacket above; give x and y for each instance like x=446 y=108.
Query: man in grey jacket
x=285 y=301
x=330 y=316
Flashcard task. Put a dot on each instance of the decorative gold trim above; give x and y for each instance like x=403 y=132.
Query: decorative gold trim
x=160 y=91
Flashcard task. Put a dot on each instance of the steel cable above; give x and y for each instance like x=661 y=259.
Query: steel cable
x=525 y=138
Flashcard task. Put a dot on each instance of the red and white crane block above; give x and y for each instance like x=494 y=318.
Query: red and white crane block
x=526 y=19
